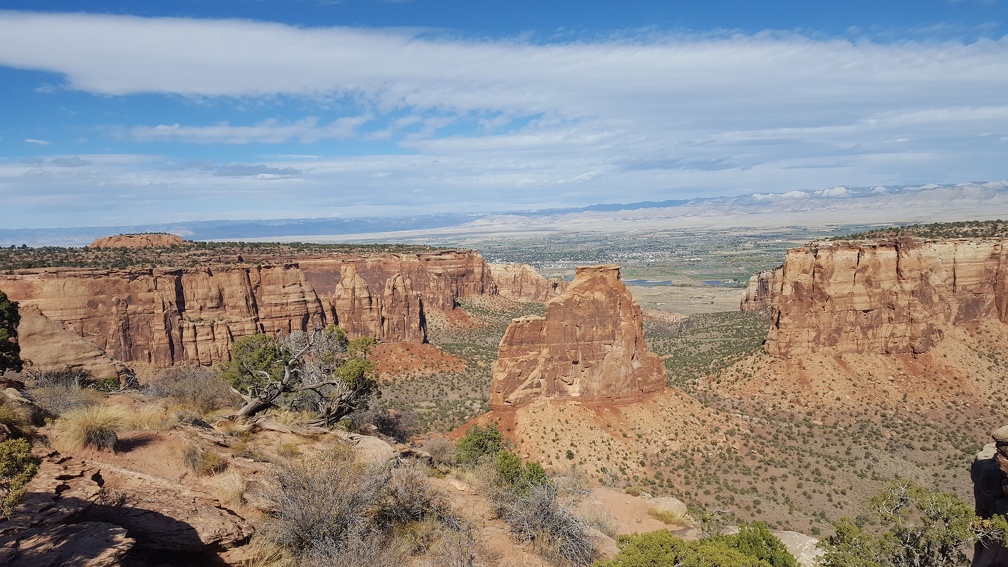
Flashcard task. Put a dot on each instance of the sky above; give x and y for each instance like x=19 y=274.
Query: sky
x=120 y=112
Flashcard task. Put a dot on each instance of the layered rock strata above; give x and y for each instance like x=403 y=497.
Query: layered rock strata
x=887 y=298
x=191 y=316
x=522 y=282
x=589 y=346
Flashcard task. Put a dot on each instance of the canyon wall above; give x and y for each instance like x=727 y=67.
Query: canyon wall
x=886 y=298
x=522 y=282
x=589 y=346
x=192 y=315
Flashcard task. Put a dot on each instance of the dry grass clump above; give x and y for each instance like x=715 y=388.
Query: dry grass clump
x=229 y=488
x=668 y=517
x=202 y=460
x=288 y=450
x=151 y=418
x=93 y=426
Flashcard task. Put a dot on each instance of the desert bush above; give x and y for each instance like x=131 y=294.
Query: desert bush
x=409 y=497
x=202 y=460
x=198 y=389
x=322 y=500
x=479 y=442
x=370 y=549
x=754 y=546
x=329 y=509
x=455 y=548
x=442 y=452
x=68 y=377
x=399 y=426
x=538 y=515
x=92 y=426
x=17 y=467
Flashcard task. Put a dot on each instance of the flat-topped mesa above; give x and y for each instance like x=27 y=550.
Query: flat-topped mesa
x=167 y=316
x=886 y=298
x=146 y=240
x=522 y=282
x=589 y=346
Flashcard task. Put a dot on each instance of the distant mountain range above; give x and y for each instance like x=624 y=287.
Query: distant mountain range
x=833 y=206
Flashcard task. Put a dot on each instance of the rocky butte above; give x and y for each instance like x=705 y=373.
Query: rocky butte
x=887 y=298
x=166 y=316
x=589 y=346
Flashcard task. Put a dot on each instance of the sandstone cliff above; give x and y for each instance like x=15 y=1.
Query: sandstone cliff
x=522 y=282
x=154 y=240
x=171 y=316
x=880 y=298
x=589 y=346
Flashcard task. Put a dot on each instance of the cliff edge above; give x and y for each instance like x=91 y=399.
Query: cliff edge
x=888 y=298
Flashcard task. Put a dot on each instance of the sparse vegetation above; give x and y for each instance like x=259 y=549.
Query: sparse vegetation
x=753 y=546
x=322 y=371
x=331 y=510
x=934 y=231
x=17 y=467
x=202 y=460
x=198 y=389
x=95 y=426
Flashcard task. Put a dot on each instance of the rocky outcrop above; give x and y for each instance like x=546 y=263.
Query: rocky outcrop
x=68 y=518
x=150 y=240
x=885 y=298
x=990 y=491
x=166 y=316
x=589 y=346
x=57 y=347
x=522 y=282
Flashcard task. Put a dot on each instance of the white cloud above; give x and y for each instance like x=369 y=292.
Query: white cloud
x=491 y=123
x=36 y=141
x=270 y=131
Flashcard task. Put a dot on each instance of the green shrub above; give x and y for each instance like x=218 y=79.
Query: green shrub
x=479 y=442
x=17 y=467
x=753 y=546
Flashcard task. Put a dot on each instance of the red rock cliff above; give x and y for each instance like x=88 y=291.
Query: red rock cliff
x=523 y=283
x=589 y=346
x=192 y=315
x=880 y=298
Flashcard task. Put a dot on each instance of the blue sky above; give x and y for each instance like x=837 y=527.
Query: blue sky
x=117 y=113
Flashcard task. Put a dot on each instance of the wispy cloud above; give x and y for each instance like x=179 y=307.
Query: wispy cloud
x=492 y=123
x=36 y=141
x=270 y=131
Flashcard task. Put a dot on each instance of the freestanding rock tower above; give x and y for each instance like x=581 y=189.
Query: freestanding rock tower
x=589 y=346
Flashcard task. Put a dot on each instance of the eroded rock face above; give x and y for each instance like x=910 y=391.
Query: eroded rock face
x=158 y=240
x=192 y=315
x=880 y=298
x=50 y=341
x=589 y=346
x=522 y=282
x=394 y=313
